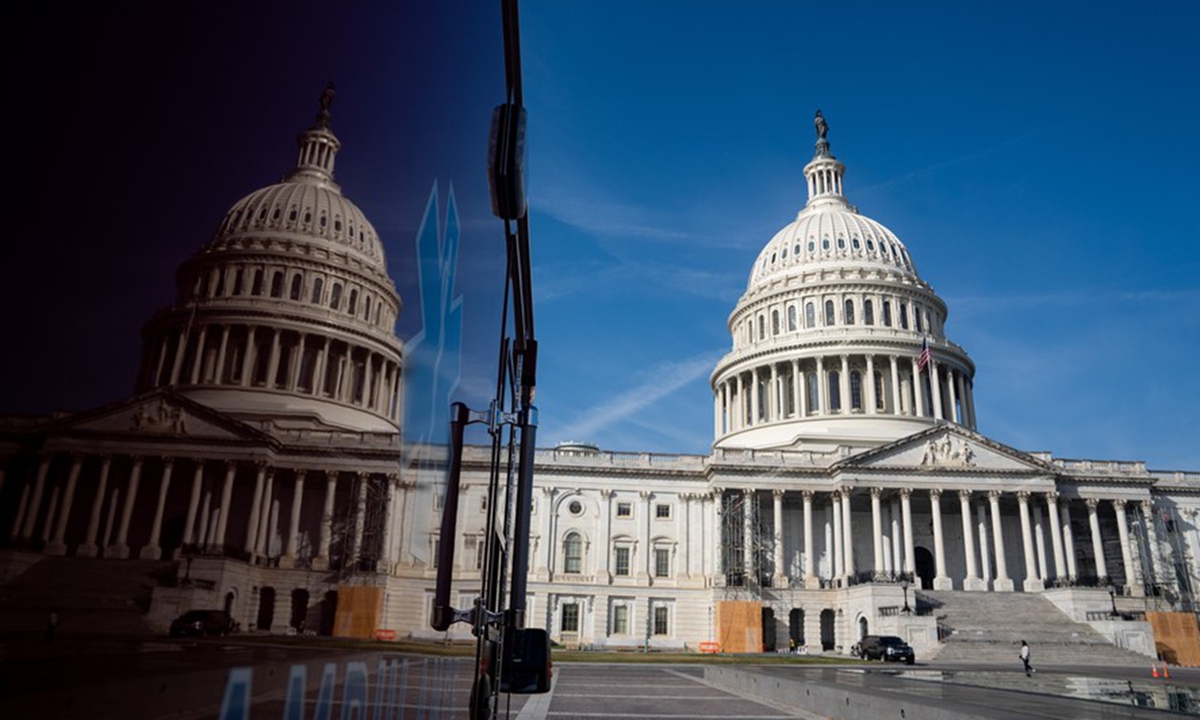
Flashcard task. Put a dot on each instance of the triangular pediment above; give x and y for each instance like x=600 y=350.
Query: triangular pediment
x=162 y=414
x=946 y=448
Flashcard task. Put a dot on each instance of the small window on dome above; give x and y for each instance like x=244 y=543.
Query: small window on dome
x=829 y=317
x=868 y=312
x=810 y=316
x=762 y=327
x=783 y=254
x=917 y=318
x=796 y=249
x=352 y=307
x=903 y=316
x=841 y=243
x=238 y=281
x=856 y=243
x=297 y=288
x=825 y=244
x=318 y=289
x=275 y=215
x=887 y=313
x=812 y=246
x=277 y=284
x=307 y=218
x=262 y=213
x=324 y=220
x=337 y=225
x=772 y=258
x=870 y=244
x=256 y=286
x=292 y=215
x=367 y=307
x=849 y=312
x=791 y=312
x=774 y=322
x=336 y=298
x=361 y=235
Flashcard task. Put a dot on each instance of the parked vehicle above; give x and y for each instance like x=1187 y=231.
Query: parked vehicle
x=886 y=647
x=201 y=623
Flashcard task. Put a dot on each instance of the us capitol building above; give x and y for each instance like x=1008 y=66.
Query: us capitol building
x=262 y=452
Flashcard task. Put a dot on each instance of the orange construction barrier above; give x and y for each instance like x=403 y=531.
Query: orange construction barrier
x=1154 y=670
x=710 y=647
x=1166 y=672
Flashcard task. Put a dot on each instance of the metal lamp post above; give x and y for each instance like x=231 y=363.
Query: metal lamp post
x=1112 y=595
x=904 y=585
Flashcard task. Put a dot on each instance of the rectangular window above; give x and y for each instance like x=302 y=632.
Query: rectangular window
x=570 y=618
x=662 y=562
x=436 y=544
x=620 y=620
x=660 y=620
x=437 y=502
x=624 y=509
x=621 y=561
x=662 y=512
x=483 y=504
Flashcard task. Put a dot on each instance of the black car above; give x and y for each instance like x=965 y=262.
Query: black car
x=200 y=623
x=886 y=647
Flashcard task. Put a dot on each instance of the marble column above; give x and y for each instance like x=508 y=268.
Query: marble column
x=1003 y=582
x=35 y=502
x=1056 y=536
x=748 y=499
x=360 y=516
x=897 y=406
x=985 y=553
x=120 y=549
x=951 y=383
x=59 y=546
x=1068 y=540
x=839 y=568
x=848 y=528
x=822 y=390
x=897 y=535
x=971 y=582
x=1133 y=587
x=262 y=542
x=941 y=580
x=218 y=541
x=1097 y=542
x=797 y=392
x=877 y=530
x=321 y=561
x=780 y=580
x=935 y=388
x=1031 y=583
x=754 y=406
x=811 y=581
x=869 y=381
x=189 y=526
x=89 y=548
x=844 y=386
x=289 y=554
x=910 y=562
x=256 y=509
x=917 y=391
x=152 y=550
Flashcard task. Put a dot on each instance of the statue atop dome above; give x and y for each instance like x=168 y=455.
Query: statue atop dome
x=326 y=101
x=822 y=130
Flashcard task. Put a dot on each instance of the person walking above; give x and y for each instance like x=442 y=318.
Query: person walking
x=1025 y=659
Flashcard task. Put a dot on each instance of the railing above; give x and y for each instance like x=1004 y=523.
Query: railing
x=1127 y=616
x=1083 y=581
x=882 y=578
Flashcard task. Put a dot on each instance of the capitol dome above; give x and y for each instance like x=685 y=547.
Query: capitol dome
x=828 y=337
x=288 y=313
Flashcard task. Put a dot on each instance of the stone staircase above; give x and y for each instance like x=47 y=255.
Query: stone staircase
x=92 y=596
x=988 y=628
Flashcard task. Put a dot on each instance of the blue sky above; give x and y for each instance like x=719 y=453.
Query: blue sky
x=1037 y=159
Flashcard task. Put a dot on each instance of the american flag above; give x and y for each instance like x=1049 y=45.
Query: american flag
x=923 y=358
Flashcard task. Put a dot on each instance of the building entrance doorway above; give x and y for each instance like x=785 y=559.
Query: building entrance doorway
x=925 y=567
x=768 y=629
x=796 y=626
x=266 y=608
x=827 y=638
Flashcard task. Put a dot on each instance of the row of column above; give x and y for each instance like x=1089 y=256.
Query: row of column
x=207 y=520
x=765 y=395
x=380 y=375
x=902 y=552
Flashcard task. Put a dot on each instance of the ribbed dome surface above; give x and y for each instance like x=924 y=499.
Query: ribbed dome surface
x=307 y=209
x=829 y=236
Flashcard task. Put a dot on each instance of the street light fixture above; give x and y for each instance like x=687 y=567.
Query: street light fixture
x=904 y=585
x=1112 y=595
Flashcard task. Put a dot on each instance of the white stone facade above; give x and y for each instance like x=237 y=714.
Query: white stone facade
x=263 y=450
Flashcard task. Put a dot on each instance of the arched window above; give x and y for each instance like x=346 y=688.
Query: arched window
x=352 y=306
x=297 y=287
x=868 y=312
x=903 y=315
x=835 y=391
x=791 y=318
x=774 y=322
x=814 y=400
x=829 y=318
x=879 y=403
x=318 y=289
x=856 y=390
x=277 y=284
x=256 y=286
x=238 y=281
x=917 y=316
x=336 y=296
x=220 y=288
x=367 y=308
x=825 y=244
x=573 y=554
x=849 y=312
x=762 y=327
x=887 y=313
x=810 y=316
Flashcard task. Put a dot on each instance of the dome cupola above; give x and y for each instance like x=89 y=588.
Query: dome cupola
x=288 y=312
x=828 y=337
